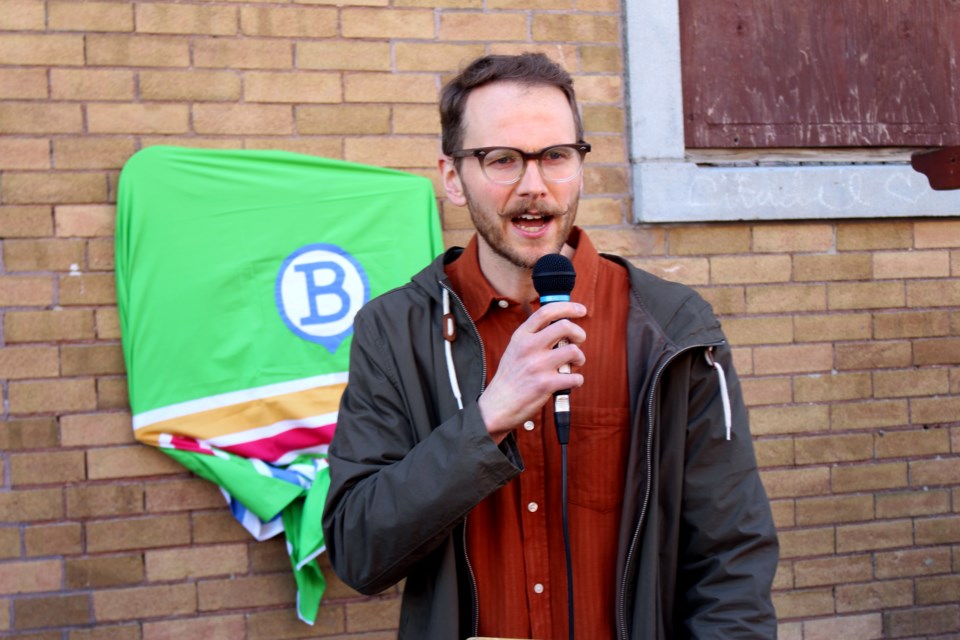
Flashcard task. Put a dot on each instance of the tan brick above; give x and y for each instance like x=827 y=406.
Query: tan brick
x=96 y=429
x=25 y=221
x=244 y=54
x=603 y=118
x=377 y=87
x=912 y=503
x=789 y=238
x=938 y=589
x=181 y=19
x=834 y=448
x=54 y=188
x=9 y=549
x=47 y=467
x=940 y=471
x=873 y=355
x=913 y=562
x=245 y=592
x=138 y=533
x=90 y=16
x=43 y=255
x=372 y=614
x=796 y=482
x=91 y=359
x=911 y=382
x=434 y=56
x=99 y=500
x=487 y=27
x=783 y=516
x=324 y=147
x=190 y=85
x=921 y=621
x=786 y=298
x=129 y=462
x=138 y=118
x=101 y=256
x=569 y=27
x=390 y=152
x=869 y=415
x=871 y=235
x=270 y=557
x=190 y=563
x=24 y=153
x=41 y=50
x=268 y=625
x=935 y=293
x=843 y=266
x=22 y=15
x=834 y=510
x=209 y=628
x=869 y=477
x=52 y=395
x=108 y=632
x=538 y=5
x=709 y=240
x=112 y=393
x=863 y=627
x=936 y=351
x=217 y=526
x=92 y=153
x=243 y=119
x=25 y=290
x=137 y=51
x=27 y=505
x=53 y=539
x=832 y=387
x=866 y=295
x=301 y=22
x=91 y=84
x=23 y=84
x=28 y=362
x=824 y=571
x=51 y=611
x=911 y=324
x=599 y=89
x=85 y=220
x=725 y=300
x=414 y=118
x=789 y=419
x=101 y=572
x=611 y=180
x=689 y=271
x=47 y=326
x=42 y=118
x=607 y=148
x=936 y=234
x=874 y=536
x=597 y=211
x=302 y=86
x=30 y=577
x=765 y=391
x=28 y=433
x=391 y=23
x=874 y=596
x=183 y=495
x=144 y=602
x=911 y=264
x=626 y=241
x=344 y=55
x=108 y=324
x=914 y=443
x=793 y=359
x=833 y=327
x=803 y=603
x=88 y=289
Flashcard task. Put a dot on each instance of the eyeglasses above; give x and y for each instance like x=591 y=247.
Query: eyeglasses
x=506 y=165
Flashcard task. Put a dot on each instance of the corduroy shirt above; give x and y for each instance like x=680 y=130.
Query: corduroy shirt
x=514 y=536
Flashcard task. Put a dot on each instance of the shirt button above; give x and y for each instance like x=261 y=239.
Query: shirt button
x=532 y=507
x=528 y=425
x=538 y=588
x=503 y=304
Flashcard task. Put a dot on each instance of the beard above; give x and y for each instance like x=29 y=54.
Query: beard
x=489 y=227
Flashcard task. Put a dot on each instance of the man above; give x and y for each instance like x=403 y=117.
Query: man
x=445 y=467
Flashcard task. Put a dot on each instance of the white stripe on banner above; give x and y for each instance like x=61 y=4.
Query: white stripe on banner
x=190 y=407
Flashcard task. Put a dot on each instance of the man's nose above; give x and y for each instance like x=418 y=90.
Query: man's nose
x=532 y=182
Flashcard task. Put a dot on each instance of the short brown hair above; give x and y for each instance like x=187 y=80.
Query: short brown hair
x=526 y=68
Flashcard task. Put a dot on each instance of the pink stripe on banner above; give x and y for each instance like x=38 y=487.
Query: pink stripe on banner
x=274 y=447
x=182 y=443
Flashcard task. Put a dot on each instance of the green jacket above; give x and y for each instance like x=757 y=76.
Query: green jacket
x=697 y=550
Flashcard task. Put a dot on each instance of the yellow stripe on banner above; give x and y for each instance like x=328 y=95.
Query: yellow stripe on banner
x=253 y=414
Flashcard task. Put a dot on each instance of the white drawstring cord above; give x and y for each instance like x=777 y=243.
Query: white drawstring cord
x=724 y=394
x=448 y=333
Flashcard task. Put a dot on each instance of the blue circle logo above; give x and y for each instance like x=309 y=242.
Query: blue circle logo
x=319 y=290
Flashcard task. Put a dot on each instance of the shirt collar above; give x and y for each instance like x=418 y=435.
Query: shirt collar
x=479 y=296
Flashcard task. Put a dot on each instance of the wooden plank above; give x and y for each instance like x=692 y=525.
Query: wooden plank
x=820 y=73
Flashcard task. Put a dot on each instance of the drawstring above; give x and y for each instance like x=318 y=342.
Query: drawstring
x=449 y=335
x=724 y=394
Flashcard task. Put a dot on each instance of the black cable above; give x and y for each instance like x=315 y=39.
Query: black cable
x=562 y=419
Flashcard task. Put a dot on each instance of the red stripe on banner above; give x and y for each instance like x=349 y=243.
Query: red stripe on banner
x=274 y=447
x=182 y=443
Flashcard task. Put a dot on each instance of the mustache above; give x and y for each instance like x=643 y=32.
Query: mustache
x=522 y=208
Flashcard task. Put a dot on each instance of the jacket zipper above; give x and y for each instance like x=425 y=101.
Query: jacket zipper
x=622 y=605
x=463 y=536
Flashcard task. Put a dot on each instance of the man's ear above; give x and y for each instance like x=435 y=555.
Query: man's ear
x=451 y=181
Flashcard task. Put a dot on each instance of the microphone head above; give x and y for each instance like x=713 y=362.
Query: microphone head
x=553 y=275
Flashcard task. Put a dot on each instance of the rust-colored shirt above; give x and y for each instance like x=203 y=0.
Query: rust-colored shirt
x=515 y=536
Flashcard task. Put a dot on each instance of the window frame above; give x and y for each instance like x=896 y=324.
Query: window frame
x=669 y=187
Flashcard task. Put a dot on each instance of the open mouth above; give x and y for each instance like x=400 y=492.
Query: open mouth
x=531 y=222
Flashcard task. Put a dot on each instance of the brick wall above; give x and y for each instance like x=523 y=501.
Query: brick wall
x=847 y=334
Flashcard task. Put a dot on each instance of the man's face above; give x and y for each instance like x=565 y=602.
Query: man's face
x=516 y=223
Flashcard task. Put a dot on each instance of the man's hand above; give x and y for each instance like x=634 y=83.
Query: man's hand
x=529 y=369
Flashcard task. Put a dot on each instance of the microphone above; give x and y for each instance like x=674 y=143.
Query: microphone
x=553 y=278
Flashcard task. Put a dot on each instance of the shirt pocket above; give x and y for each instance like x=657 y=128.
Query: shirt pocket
x=597 y=456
